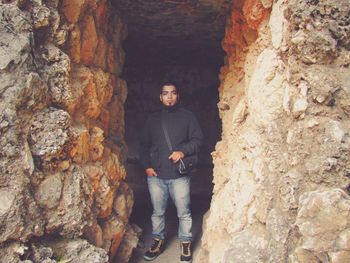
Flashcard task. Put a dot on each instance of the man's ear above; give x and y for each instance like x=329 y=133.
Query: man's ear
x=160 y=98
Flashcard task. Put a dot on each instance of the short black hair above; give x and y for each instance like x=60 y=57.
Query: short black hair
x=168 y=84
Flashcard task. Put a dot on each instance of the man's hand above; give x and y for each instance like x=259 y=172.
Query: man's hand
x=176 y=156
x=151 y=172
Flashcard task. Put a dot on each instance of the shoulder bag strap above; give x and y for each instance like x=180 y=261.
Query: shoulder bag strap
x=166 y=136
x=182 y=166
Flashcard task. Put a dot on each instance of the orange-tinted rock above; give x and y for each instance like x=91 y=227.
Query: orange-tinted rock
x=117 y=118
x=64 y=165
x=73 y=48
x=71 y=9
x=114 y=169
x=101 y=51
x=105 y=195
x=104 y=88
x=81 y=76
x=249 y=34
x=94 y=173
x=113 y=232
x=233 y=33
x=254 y=12
x=90 y=104
x=102 y=15
x=74 y=45
x=94 y=234
x=96 y=146
x=123 y=202
x=79 y=150
x=110 y=166
x=103 y=121
x=266 y=3
x=89 y=40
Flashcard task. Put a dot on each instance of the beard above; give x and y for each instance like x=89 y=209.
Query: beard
x=170 y=106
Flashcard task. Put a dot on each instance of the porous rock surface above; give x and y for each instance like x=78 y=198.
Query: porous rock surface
x=61 y=133
x=282 y=168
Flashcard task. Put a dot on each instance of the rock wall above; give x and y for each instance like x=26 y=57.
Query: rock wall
x=282 y=168
x=62 y=133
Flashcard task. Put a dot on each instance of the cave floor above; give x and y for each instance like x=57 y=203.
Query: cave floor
x=141 y=216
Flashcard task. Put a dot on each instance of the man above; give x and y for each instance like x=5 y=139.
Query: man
x=159 y=163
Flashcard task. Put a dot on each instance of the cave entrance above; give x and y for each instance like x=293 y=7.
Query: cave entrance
x=180 y=42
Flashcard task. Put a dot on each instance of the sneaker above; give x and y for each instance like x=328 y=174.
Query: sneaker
x=186 y=254
x=155 y=250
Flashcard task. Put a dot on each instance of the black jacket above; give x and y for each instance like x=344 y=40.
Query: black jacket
x=184 y=133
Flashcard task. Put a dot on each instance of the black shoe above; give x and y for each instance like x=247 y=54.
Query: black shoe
x=155 y=250
x=186 y=254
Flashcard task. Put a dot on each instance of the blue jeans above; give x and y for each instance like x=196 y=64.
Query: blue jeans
x=179 y=191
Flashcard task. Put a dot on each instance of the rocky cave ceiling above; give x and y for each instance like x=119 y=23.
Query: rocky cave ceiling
x=175 y=30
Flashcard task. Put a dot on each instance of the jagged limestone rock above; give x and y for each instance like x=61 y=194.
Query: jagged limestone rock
x=77 y=250
x=48 y=141
x=323 y=221
x=281 y=170
x=22 y=93
x=49 y=133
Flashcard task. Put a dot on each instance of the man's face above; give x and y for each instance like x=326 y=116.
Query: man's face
x=169 y=95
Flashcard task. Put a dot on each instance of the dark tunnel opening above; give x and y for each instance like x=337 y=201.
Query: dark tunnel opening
x=198 y=82
x=185 y=50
